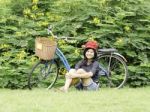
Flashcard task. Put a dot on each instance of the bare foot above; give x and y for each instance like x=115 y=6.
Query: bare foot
x=62 y=89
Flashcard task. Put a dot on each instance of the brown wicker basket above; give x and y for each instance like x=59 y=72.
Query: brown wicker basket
x=45 y=48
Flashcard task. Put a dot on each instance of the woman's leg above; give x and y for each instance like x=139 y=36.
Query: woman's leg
x=68 y=80
x=81 y=71
x=85 y=81
x=67 y=84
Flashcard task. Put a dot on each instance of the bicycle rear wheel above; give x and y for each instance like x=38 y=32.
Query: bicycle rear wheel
x=117 y=70
x=43 y=74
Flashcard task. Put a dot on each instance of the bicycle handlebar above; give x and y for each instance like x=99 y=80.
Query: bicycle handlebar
x=65 y=38
x=49 y=30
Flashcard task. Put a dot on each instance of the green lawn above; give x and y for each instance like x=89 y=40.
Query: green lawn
x=104 y=100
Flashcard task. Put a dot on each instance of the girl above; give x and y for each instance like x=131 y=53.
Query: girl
x=87 y=69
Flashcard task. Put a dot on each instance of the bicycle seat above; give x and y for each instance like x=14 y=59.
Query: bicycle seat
x=107 y=50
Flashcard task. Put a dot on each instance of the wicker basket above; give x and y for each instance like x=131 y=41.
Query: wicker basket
x=45 y=48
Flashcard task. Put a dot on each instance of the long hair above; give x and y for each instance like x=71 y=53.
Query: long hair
x=84 y=61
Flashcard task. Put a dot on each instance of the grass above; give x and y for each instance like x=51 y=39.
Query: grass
x=104 y=100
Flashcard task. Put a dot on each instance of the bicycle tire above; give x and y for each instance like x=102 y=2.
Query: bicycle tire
x=116 y=77
x=43 y=74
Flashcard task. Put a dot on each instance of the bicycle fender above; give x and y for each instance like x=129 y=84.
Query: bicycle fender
x=120 y=56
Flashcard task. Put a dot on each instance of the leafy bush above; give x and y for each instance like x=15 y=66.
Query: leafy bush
x=122 y=24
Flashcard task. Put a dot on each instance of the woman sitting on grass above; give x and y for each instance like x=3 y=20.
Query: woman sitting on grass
x=87 y=70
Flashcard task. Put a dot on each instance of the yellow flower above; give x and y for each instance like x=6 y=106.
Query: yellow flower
x=7 y=54
x=96 y=20
x=33 y=16
x=120 y=42
x=18 y=33
x=45 y=23
x=21 y=55
x=3 y=46
x=91 y=38
x=77 y=52
x=35 y=1
x=61 y=42
x=40 y=14
x=27 y=11
x=34 y=7
x=127 y=28
x=103 y=2
x=33 y=59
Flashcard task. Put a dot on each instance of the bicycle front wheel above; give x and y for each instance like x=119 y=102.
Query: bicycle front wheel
x=43 y=74
x=117 y=70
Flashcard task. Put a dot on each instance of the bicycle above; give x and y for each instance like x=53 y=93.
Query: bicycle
x=45 y=72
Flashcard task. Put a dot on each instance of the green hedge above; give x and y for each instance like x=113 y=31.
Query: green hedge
x=122 y=24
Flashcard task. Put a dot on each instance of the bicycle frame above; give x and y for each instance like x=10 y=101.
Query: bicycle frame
x=62 y=58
